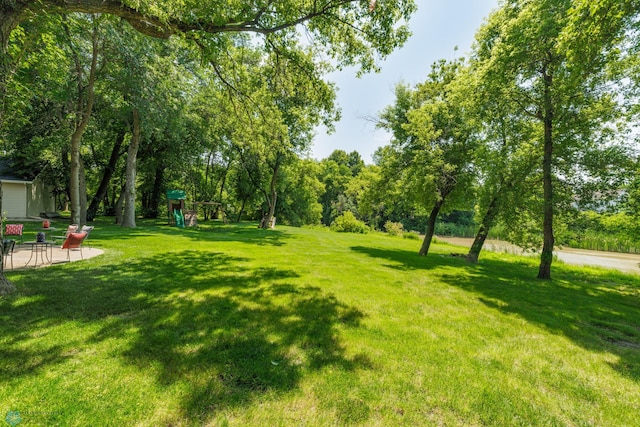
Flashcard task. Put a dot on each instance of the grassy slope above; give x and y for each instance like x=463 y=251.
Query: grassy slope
x=232 y=325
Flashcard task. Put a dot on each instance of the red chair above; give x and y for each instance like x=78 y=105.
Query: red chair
x=70 y=229
x=14 y=230
x=74 y=241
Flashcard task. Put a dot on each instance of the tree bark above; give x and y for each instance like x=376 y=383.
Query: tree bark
x=83 y=195
x=106 y=177
x=483 y=231
x=129 y=218
x=244 y=202
x=154 y=26
x=10 y=17
x=431 y=227
x=546 y=257
x=267 y=220
x=118 y=207
x=84 y=110
x=6 y=287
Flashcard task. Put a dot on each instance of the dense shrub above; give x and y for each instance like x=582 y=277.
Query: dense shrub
x=348 y=223
x=394 y=228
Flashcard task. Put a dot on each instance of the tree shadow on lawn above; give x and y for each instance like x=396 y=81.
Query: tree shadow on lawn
x=599 y=313
x=198 y=318
x=408 y=260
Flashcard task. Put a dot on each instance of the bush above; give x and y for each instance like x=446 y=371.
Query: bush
x=394 y=228
x=413 y=235
x=348 y=223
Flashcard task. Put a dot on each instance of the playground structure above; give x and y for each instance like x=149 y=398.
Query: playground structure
x=175 y=207
x=180 y=217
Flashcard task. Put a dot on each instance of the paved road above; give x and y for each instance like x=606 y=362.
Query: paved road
x=627 y=263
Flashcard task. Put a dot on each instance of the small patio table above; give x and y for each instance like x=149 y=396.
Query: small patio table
x=44 y=250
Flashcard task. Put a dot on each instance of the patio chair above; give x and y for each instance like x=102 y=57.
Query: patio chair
x=8 y=245
x=87 y=229
x=70 y=229
x=74 y=242
x=14 y=230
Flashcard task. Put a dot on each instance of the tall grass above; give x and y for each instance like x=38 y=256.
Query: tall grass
x=231 y=325
x=600 y=241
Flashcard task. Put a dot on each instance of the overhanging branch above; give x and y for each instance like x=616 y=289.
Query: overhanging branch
x=156 y=27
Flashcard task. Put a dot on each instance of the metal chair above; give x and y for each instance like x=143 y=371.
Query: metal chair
x=14 y=230
x=86 y=229
x=8 y=245
x=70 y=229
x=74 y=241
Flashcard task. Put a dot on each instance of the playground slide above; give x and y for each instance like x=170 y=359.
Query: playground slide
x=179 y=217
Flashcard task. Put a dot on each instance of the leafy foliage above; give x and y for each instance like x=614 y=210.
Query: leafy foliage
x=348 y=223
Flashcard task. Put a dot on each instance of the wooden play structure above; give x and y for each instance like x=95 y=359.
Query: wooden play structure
x=175 y=207
x=180 y=217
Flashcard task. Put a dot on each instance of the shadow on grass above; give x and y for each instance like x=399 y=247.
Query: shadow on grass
x=197 y=318
x=407 y=260
x=600 y=312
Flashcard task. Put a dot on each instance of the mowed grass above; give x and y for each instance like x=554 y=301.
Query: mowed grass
x=230 y=325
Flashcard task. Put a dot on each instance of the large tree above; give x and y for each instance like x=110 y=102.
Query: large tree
x=524 y=50
x=506 y=158
x=433 y=141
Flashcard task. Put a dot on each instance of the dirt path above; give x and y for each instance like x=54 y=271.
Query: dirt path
x=627 y=263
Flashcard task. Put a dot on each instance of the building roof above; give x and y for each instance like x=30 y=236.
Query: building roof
x=9 y=173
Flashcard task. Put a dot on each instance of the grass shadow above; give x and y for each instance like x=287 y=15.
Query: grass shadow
x=408 y=260
x=600 y=312
x=195 y=317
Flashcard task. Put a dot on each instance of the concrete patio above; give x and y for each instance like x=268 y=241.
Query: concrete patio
x=27 y=255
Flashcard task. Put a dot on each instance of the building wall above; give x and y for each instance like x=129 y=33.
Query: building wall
x=14 y=199
x=39 y=199
x=22 y=199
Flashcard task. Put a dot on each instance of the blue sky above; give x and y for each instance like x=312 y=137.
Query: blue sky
x=438 y=27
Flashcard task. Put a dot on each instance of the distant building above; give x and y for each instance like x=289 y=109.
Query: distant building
x=23 y=196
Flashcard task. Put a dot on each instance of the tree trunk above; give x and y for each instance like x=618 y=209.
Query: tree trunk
x=118 y=207
x=431 y=228
x=74 y=179
x=483 y=231
x=546 y=257
x=83 y=111
x=129 y=218
x=83 y=195
x=268 y=219
x=244 y=203
x=10 y=17
x=6 y=287
x=106 y=177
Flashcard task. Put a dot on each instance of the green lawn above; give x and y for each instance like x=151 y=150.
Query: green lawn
x=233 y=325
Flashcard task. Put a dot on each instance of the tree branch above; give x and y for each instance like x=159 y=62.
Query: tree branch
x=156 y=27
